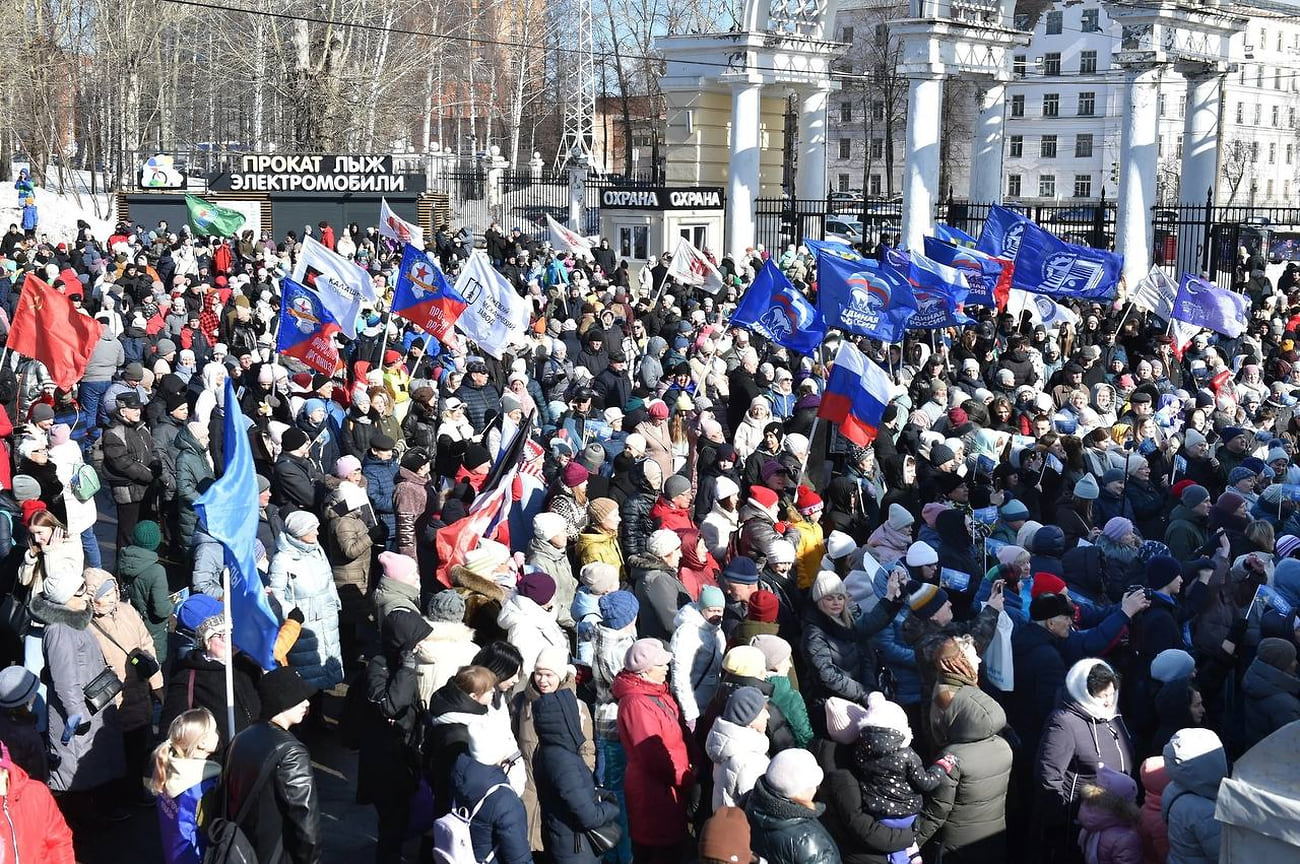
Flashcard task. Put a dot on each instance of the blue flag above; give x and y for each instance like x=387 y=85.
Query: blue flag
x=863 y=297
x=1205 y=305
x=939 y=290
x=838 y=250
x=989 y=278
x=774 y=308
x=1046 y=265
x=228 y=512
x=955 y=236
x=307 y=328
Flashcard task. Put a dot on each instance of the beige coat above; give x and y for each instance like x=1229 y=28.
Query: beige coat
x=521 y=715
x=119 y=630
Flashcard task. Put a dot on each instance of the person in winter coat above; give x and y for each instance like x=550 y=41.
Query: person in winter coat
x=350 y=549
x=411 y=503
x=1155 y=833
x=448 y=648
x=145 y=582
x=379 y=467
x=546 y=552
x=1271 y=690
x=420 y=426
x=837 y=641
x=697 y=647
x=636 y=525
x=600 y=541
x=723 y=519
x=1080 y=736
x=34 y=828
x=88 y=743
x=784 y=818
x=66 y=456
x=971 y=725
x=1109 y=816
x=285 y=815
x=301 y=578
x=198 y=680
x=498 y=826
x=659 y=775
x=193 y=474
x=1188 y=530
x=658 y=590
x=130 y=464
x=566 y=791
x=528 y=617
x=183 y=779
x=457 y=713
x=1197 y=764
x=738 y=744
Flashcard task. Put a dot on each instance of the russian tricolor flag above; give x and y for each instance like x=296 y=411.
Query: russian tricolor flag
x=857 y=392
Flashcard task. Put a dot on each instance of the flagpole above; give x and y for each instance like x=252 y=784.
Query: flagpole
x=230 y=652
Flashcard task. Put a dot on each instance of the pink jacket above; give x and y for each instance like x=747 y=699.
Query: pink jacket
x=1155 y=833
x=1109 y=816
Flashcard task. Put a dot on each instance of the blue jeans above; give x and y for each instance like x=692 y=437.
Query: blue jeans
x=612 y=764
x=90 y=546
x=91 y=394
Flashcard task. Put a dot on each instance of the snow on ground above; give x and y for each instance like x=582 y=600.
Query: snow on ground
x=59 y=211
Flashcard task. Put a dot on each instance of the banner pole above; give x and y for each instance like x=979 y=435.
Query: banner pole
x=230 y=652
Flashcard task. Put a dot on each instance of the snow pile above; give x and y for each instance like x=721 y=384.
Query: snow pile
x=59 y=211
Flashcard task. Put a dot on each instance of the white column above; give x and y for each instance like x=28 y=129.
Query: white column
x=742 y=172
x=810 y=182
x=1200 y=159
x=1137 y=169
x=921 y=168
x=986 y=148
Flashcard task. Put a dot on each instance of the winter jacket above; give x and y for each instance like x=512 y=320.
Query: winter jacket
x=119 y=632
x=1196 y=764
x=381 y=482
x=478 y=401
x=1272 y=700
x=597 y=545
x=287 y=812
x=199 y=682
x=784 y=832
x=900 y=658
x=129 y=463
x=145 y=582
x=968 y=723
x=554 y=561
x=530 y=629
x=34 y=830
x=1109 y=816
x=349 y=547
x=193 y=469
x=410 y=508
x=420 y=429
x=697 y=647
x=757 y=533
x=72 y=659
x=105 y=359
x=566 y=790
x=660 y=594
x=448 y=648
x=1187 y=533
x=301 y=577
x=788 y=701
x=842 y=657
x=453 y=719
x=739 y=755
x=718 y=528
x=179 y=803
x=658 y=773
x=1155 y=833
x=525 y=732
x=637 y=525
x=1076 y=740
x=484 y=600
x=296 y=485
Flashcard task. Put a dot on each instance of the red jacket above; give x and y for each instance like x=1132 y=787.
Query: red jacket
x=673 y=518
x=658 y=771
x=34 y=831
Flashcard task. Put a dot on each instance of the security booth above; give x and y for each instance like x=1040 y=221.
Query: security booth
x=643 y=221
x=279 y=193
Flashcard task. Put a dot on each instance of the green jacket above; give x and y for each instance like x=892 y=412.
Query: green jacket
x=145 y=582
x=792 y=706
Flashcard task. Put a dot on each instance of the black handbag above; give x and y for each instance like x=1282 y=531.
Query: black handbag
x=144 y=665
x=102 y=690
x=605 y=837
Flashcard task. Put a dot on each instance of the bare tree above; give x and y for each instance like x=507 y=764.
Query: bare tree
x=1236 y=161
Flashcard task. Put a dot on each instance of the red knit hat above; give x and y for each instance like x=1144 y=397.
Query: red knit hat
x=763 y=606
x=763 y=497
x=574 y=475
x=1047 y=583
x=807 y=501
x=1180 y=486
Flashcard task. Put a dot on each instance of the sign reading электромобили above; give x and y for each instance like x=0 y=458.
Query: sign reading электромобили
x=263 y=172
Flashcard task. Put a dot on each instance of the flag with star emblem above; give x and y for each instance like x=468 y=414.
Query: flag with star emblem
x=423 y=296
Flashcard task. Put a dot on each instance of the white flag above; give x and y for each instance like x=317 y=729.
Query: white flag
x=1042 y=309
x=496 y=316
x=690 y=267
x=341 y=285
x=398 y=229
x=1155 y=293
x=568 y=239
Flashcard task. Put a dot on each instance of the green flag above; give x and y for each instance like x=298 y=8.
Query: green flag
x=210 y=220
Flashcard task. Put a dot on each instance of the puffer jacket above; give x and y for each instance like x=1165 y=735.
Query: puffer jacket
x=739 y=755
x=1272 y=700
x=530 y=628
x=118 y=629
x=1186 y=533
x=301 y=577
x=842 y=657
x=193 y=469
x=1196 y=764
x=566 y=790
x=500 y=828
x=350 y=553
x=900 y=658
x=1109 y=817
x=1155 y=833
x=637 y=525
x=524 y=726
x=381 y=482
x=597 y=545
x=35 y=830
x=660 y=594
x=410 y=507
x=757 y=533
x=658 y=774
x=478 y=401
x=968 y=723
x=697 y=647
x=145 y=582
x=783 y=832
x=546 y=556
x=129 y=461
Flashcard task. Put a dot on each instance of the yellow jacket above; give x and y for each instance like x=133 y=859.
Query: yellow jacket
x=809 y=548
x=599 y=546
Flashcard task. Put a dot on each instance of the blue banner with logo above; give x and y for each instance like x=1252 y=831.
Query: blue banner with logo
x=988 y=278
x=939 y=290
x=1046 y=265
x=774 y=308
x=863 y=297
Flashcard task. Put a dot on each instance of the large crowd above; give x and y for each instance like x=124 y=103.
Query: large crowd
x=1035 y=620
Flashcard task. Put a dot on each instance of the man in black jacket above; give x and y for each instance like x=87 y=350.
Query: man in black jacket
x=298 y=481
x=280 y=815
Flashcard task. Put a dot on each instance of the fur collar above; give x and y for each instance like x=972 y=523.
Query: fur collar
x=463 y=577
x=450 y=631
x=53 y=613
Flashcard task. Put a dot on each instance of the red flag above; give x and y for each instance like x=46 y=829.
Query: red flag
x=48 y=328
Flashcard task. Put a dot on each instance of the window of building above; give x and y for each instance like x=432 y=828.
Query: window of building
x=1290 y=153
x=1013 y=185
x=1259 y=75
x=846 y=35
x=1019 y=65
x=1290 y=117
x=1052 y=63
x=1160 y=105
x=1087 y=103
x=1020 y=21
x=1160 y=146
x=1083 y=145
x=878 y=111
x=1047 y=147
x=1054 y=22
x=633 y=241
x=1017 y=147
x=1272 y=153
x=1087 y=62
x=874 y=185
x=1178 y=147
x=877 y=148
x=846 y=148
x=1277 y=78
x=1046 y=185
x=1051 y=104
x=1277 y=115
x=846 y=112
x=1182 y=107
x=1258 y=111
x=1254 y=151
x=1091 y=20
x=1018 y=105
x=1082 y=185
x=1268 y=189
x=1241 y=113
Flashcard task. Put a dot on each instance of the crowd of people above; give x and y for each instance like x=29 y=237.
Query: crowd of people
x=1034 y=620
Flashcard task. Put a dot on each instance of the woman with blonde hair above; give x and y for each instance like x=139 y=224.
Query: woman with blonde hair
x=182 y=778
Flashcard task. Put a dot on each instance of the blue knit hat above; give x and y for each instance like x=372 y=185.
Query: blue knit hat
x=742 y=571
x=618 y=609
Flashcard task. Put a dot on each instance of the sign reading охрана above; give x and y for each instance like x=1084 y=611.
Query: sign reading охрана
x=661 y=198
x=271 y=172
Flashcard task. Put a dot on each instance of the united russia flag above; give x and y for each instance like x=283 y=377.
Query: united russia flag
x=857 y=392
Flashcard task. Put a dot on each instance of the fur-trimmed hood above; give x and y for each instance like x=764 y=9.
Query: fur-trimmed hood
x=463 y=577
x=53 y=613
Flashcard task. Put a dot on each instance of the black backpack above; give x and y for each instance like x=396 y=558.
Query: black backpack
x=227 y=843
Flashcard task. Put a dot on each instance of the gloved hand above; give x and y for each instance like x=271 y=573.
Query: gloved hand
x=947 y=762
x=296 y=615
x=693 y=796
x=70 y=728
